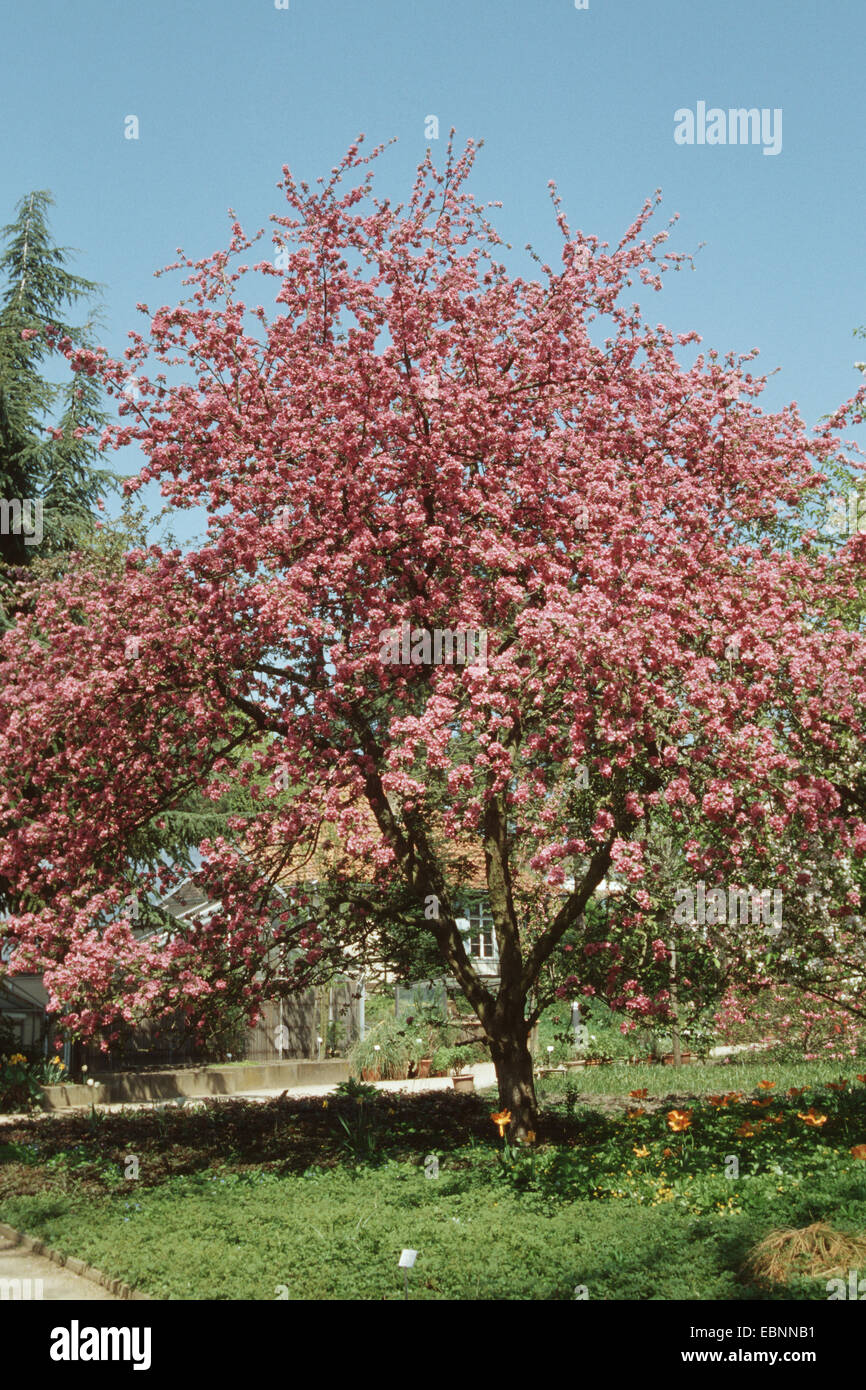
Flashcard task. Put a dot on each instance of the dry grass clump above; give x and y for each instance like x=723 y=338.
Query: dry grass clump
x=813 y=1252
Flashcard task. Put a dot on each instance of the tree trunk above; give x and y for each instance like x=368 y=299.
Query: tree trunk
x=675 y=1009
x=513 y=1062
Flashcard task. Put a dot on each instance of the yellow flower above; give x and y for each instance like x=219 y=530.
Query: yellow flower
x=324 y=1105
x=679 y=1120
x=18 y=1057
x=812 y=1117
x=641 y=1152
x=502 y=1118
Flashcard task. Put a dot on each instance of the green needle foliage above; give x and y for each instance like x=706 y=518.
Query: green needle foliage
x=48 y=429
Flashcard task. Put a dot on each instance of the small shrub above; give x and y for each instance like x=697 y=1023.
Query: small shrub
x=356 y=1090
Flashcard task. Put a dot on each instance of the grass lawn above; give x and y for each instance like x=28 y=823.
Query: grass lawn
x=300 y=1199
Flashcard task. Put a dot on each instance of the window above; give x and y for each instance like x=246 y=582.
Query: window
x=481 y=936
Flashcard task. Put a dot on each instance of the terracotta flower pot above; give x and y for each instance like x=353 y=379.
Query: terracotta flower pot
x=464 y=1083
x=422 y=1067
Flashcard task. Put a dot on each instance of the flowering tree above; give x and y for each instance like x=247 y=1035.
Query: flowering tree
x=671 y=966
x=796 y=1022
x=412 y=444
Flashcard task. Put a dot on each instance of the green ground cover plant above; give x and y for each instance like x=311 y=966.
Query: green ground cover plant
x=656 y=1196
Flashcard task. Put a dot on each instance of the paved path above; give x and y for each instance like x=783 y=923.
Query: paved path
x=58 y=1283
x=484 y=1073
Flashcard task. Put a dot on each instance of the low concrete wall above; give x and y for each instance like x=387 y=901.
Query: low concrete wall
x=198 y=1081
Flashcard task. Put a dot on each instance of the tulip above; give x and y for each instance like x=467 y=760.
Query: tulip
x=679 y=1120
x=812 y=1117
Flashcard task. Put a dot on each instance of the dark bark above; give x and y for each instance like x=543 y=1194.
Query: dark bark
x=510 y=1054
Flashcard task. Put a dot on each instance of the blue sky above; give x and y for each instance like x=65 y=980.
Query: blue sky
x=227 y=91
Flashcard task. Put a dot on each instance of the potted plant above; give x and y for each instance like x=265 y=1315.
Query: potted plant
x=462 y=1080
x=426 y=1028
x=383 y=1055
x=453 y=1062
x=421 y=1052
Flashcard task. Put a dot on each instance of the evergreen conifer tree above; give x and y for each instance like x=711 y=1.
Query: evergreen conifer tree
x=48 y=429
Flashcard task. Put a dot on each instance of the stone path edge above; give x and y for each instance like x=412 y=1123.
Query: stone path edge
x=76 y=1266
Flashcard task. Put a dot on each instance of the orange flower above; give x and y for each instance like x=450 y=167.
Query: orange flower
x=668 y=1153
x=745 y=1131
x=717 y=1101
x=502 y=1118
x=812 y=1117
x=679 y=1120
x=767 y=1085
x=797 y=1090
x=639 y=1095
x=859 y=1150
x=633 y=1114
x=642 y=1152
x=734 y=1095
x=530 y=1136
x=776 y=1119
x=768 y=1100
x=836 y=1085
x=860 y=1077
